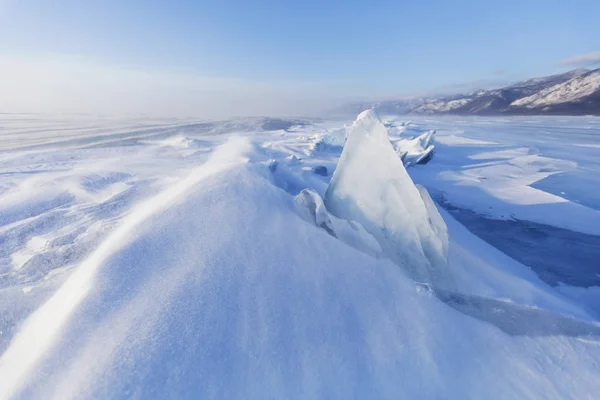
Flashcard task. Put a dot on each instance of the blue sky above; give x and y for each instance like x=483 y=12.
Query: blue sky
x=288 y=51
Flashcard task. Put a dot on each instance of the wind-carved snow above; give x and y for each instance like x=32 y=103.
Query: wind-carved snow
x=371 y=186
x=572 y=90
x=42 y=328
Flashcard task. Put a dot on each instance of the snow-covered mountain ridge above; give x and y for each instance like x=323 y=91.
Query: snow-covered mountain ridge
x=576 y=92
x=576 y=89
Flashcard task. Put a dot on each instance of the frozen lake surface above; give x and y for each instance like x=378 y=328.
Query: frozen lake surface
x=168 y=258
x=481 y=167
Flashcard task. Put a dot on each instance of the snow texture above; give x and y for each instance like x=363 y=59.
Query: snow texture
x=191 y=259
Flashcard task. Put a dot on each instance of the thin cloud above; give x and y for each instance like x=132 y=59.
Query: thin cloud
x=71 y=85
x=582 y=60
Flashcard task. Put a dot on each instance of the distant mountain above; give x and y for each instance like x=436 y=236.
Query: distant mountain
x=536 y=84
x=580 y=95
x=575 y=92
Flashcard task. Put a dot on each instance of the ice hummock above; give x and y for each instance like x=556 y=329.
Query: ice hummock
x=418 y=150
x=371 y=186
x=332 y=140
x=311 y=207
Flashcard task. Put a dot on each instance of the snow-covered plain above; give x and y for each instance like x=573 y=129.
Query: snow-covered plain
x=175 y=259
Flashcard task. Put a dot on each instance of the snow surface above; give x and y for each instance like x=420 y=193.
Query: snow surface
x=186 y=259
x=500 y=177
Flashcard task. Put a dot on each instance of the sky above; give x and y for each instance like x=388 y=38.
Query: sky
x=237 y=57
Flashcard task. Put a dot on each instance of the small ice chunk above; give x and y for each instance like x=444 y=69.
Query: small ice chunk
x=331 y=141
x=293 y=159
x=418 y=150
x=424 y=289
x=272 y=164
x=395 y=128
x=371 y=186
x=320 y=170
x=310 y=206
x=336 y=137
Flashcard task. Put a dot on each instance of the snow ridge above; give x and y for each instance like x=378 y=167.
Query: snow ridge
x=43 y=327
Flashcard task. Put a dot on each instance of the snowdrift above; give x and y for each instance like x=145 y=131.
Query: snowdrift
x=250 y=301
